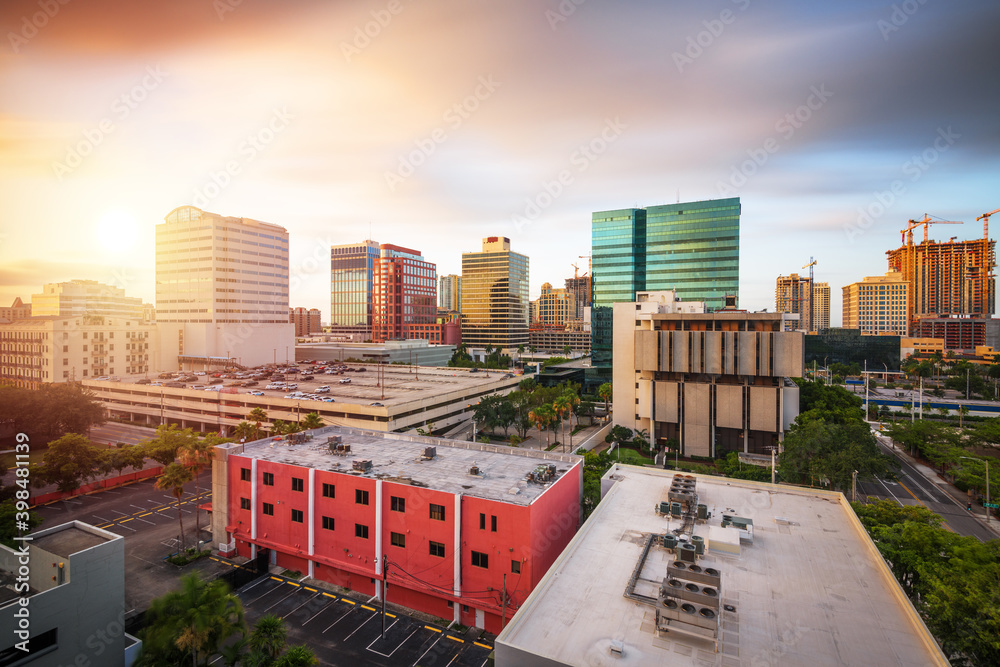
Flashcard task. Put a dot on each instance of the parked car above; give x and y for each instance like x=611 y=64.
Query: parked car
x=325 y=389
x=362 y=370
x=155 y=384
x=256 y=392
x=345 y=381
x=291 y=385
x=175 y=384
x=250 y=383
x=142 y=381
x=376 y=405
x=199 y=372
x=306 y=377
x=197 y=387
x=327 y=399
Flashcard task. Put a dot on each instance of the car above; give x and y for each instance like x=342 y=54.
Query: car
x=215 y=381
x=197 y=387
x=214 y=387
x=362 y=370
x=291 y=385
x=295 y=395
x=142 y=381
x=250 y=383
x=274 y=385
x=187 y=378
x=175 y=384
x=345 y=381
x=103 y=378
x=165 y=376
x=332 y=372
x=327 y=399
x=376 y=405
x=155 y=384
x=306 y=377
x=325 y=389
x=256 y=392
x=199 y=372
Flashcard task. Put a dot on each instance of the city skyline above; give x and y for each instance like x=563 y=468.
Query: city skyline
x=814 y=116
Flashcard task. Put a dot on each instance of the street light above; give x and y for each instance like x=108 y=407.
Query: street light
x=987 y=462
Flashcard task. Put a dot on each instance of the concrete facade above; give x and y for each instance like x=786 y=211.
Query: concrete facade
x=715 y=382
x=877 y=304
x=87 y=297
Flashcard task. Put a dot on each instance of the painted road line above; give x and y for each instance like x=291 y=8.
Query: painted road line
x=128 y=519
x=330 y=595
x=430 y=628
x=105 y=526
x=277 y=579
x=390 y=615
x=292 y=583
x=922 y=504
x=486 y=646
x=348 y=601
x=142 y=515
x=364 y=606
x=311 y=590
x=455 y=638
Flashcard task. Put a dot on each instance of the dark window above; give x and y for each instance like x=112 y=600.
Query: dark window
x=397 y=504
x=269 y=479
x=329 y=490
x=515 y=566
x=269 y=509
x=397 y=539
x=298 y=484
x=437 y=549
x=437 y=512
x=244 y=474
x=480 y=559
x=361 y=531
x=328 y=523
x=360 y=497
x=244 y=503
x=297 y=516
x=482 y=522
x=493 y=523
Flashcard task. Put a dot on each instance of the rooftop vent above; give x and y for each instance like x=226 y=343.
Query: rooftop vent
x=429 y=453
x=474 y=470
x=362 y=465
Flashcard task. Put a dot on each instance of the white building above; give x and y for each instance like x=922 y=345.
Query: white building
x=222 y=288
x=87 y=297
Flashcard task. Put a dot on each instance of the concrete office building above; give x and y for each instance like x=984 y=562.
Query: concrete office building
x=450 y=292
x=306 y=321
x=222 y=288
x=877 y=304
x=714 y=381
x=352 y=287
x=456 y=520
x=555 y=307
x=76 y=600
x=17 y=311
x=579 y=287
x=404 y=289
x=745 y=573
x=797 y=294
x=39 y=350
x=495 y=305
x=88 y=297
x=960 y=334
x=692 y=248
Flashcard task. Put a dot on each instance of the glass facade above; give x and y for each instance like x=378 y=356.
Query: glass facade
x=691 y=247
x=351 y=287
x=495 y=305
x=405 y=291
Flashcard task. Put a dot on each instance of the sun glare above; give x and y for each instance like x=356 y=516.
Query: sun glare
x=117 y=231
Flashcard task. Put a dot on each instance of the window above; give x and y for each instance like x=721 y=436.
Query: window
x=244 y=503
x=65 y=362
x=268 y=509
x=493 y=523
x=437 y=549
x=244 y=474
x=328 y=523
x=361 y=531
x=515 y=566
x=297 y=484
x=480 y=559
x=329 y=491
x=397 y=504
x=437 y=512
x=269 y=479
x=482 y=521
x=397 y=539
x=360 y=497
x=297 y=516
x=65 y=348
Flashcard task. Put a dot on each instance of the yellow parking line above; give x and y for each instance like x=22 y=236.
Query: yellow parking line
x=390 y=615
x=330 y=595
x=293 y=583
x=486 y=646
x=142 y=515
x=106 y=526
x=348 y=601
x=455 y=638
x=128 y=519
x=277 y=579
x=311 y=590
x=430 y=628
x=364 y=606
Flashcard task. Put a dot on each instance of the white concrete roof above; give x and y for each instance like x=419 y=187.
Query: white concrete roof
x=811 y=589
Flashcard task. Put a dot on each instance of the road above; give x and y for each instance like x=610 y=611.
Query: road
x=113 y=432
x=912 y=488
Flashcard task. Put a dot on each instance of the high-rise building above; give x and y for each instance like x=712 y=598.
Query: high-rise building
x=495 y=304
x=796 y=294
x=222 y=288
x=404 y=290
x=554 y=307
x=352 y=284
x=580 y=288
x=450 y=293
x=80 y=297
x=948 y=279
x=877 y=304
x=306 y=320
x=693 y=248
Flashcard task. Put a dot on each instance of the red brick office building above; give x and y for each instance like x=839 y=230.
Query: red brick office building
x=453 y=521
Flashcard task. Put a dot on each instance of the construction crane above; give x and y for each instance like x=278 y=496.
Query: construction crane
x=985 y=217
x=590 y=277
x=907 y=234
x=809 y=323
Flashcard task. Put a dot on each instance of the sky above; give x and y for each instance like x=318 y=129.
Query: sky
x=434 y=124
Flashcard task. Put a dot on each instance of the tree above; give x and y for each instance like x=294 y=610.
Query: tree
x=815 y=449
x=268 y=638
x=619 y=434
x=311 y=421
x=641 y=439
x=191 y=624
x=244 y=431
x=173 y=479
x=195 y=456
x=573 y=402
x=561 y=407
x=542 y=416
x=258 y=417
x=169 y=439
x=130 y=456
x=69 y=461
x=8 y=531
x=604 y=392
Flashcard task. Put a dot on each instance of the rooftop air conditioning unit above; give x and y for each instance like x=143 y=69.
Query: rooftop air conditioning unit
x=430 y=452
x=362 y=465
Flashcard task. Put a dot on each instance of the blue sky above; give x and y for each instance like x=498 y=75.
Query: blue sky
x=436 y=124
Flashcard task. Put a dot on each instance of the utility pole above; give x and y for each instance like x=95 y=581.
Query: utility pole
x=503 y=603
x=854 y=486
x=966 y=384
x=385 y=571
x=772 y=464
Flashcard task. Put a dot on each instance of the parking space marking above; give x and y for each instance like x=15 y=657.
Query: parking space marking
x=485 y=646
x=308 y=600
x=254 y=601
x=430 y=628
x=322 y=609
x=455 y=638
x=388 y=655
x=279 y=601
x=360 y=626
x=105 y=526
x=428 y=648
x=348 y=601
x=364 y=606
x=311 y=590
x=330 y=595
x=142 y=515
x=342 y=616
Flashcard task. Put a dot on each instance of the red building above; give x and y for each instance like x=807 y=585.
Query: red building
x=306 y=320
x=404 y=299
x=458 y=525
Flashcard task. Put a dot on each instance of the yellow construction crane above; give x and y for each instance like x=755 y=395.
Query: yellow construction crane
x=590 y=277
x=907 y=234
x=985 y=217
x=809 y=315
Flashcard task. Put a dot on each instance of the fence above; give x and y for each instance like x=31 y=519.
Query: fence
x=107 y=483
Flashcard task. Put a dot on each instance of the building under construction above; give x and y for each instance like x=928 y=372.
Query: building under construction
x=954 y=278
x=797 y=294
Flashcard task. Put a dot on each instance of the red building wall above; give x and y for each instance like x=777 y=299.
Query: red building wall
x=530 y=536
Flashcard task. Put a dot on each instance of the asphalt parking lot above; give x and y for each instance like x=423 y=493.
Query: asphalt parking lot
x=147 y=518
x=348 y=630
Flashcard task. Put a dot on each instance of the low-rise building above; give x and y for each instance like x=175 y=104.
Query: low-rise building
x=909 y=346
x=462 y=531
x=88 y=297
x=306 y=321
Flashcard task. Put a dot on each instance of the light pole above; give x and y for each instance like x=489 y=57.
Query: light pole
x=987 y=462
x=854 y=486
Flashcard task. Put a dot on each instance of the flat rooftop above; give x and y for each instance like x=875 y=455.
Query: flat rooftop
x=397 y=457
x=69 y=539
x=810 y=589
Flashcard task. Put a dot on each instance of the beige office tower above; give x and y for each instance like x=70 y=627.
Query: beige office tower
x=495 y=305
x=877 y=304
x=222 y=289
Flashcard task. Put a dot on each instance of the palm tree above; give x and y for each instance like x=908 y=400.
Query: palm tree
x=562 y=405
x=244 y=430
x=173 y=479
x=604 y=392
x=312 y=420
x=268 y=638
x=641 y=438
x=573 y=401
x=278 y=427
x=297 y=656
x=542 y=416
x=258 y=416
x=195 y=456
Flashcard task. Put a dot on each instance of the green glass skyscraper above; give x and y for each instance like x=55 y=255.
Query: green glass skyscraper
x=691 y=247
